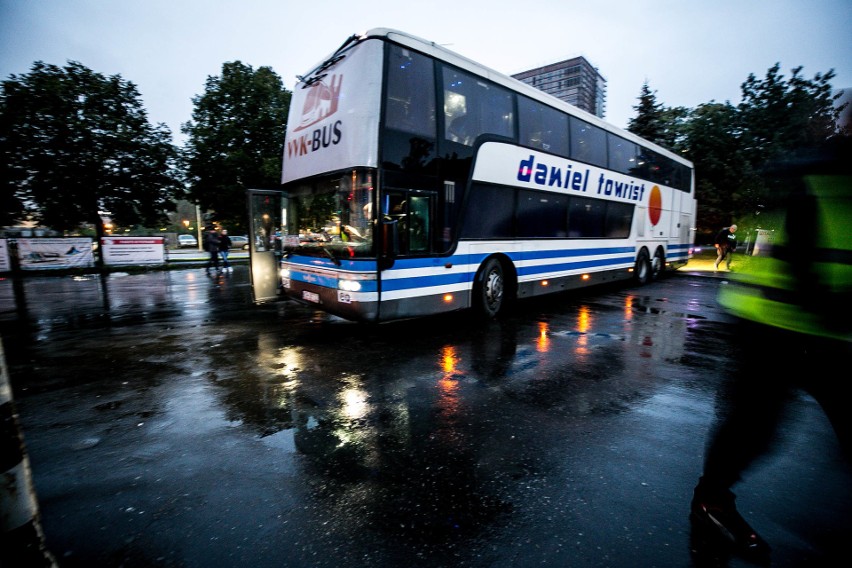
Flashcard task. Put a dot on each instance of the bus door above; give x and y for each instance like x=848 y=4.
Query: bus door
x=267 y=211
x=411 y=211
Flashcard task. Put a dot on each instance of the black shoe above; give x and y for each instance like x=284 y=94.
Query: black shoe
x=718 y=514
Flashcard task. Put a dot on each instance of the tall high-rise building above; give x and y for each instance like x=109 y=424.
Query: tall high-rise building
x=575 y=81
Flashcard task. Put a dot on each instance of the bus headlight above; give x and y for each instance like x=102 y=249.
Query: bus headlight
x=349 y=285
x=284 y=274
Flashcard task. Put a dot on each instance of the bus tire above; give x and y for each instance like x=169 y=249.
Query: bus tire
x=658 y=264
x=489 y=288
x=642 y=268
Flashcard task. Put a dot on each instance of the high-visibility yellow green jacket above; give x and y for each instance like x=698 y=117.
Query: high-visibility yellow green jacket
x=802 y=282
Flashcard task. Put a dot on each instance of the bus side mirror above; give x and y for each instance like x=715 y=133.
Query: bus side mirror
x=390 y=243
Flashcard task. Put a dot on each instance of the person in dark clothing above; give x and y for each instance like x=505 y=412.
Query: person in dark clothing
x=211 y=245
x=792 y=338
x=224 y=249
x=725 y=243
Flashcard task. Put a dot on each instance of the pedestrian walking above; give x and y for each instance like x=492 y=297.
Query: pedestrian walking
x=793 y=338
x=210 y=243
x=224 y=250
x=726 y=244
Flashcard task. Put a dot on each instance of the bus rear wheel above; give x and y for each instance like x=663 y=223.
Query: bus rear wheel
x=490 y=288
x=642 y=271
x=658 y=264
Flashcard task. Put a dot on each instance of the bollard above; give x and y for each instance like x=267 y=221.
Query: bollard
x=21 y=537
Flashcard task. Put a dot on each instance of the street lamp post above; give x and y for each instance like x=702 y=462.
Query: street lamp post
x=198 y=224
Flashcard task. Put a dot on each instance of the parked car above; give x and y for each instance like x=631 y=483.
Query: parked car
x=187 y=241
x=239 y=242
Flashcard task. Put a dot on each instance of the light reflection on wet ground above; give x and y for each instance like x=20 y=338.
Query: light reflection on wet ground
x=171 y=422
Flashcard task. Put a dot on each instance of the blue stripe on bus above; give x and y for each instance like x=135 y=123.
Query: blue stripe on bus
x=467 y=277
x=530 y=270
x=426 y=281
x=389 y=284
x=345 y=265
x=477 y=258
x=678 y=251
x=370 y=265
x=538 y=254
x=330 y=281
x=678 y=246
x=432 y=262
x=312 y=278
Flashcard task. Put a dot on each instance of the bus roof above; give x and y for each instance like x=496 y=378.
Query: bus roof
x=442 y=53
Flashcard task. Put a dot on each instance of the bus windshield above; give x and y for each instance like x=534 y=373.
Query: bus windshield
x=331 y=216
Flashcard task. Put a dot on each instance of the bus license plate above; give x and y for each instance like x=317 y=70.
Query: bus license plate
x=310 y=297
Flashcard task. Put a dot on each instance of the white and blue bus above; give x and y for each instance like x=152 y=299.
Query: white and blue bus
x=417 y=182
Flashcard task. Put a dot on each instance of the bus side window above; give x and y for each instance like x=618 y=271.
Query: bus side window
x=542 y=127
x=622 y=155
x=531 y=123
x=456 y=118
x=497 y=109
x=410 y=93
x=474 y=106
x=397 y=114
x=586 y=218
x=588 y=143
x=459 y=130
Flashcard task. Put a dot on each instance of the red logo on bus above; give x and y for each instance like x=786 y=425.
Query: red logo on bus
x=321 y=102
x=655 y=205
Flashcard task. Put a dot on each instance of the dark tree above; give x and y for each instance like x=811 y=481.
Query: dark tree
x=673 y=132
x=648 y=122
x=778 y=116
x=657 y=123
x=76 y=143
x=777 y=119
x=721 y=172
x=731 y=146
x=235 y=140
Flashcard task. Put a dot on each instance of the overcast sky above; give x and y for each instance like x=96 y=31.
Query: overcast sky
x=690 y=52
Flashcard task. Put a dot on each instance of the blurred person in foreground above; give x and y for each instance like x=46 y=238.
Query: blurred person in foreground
x=792 y=304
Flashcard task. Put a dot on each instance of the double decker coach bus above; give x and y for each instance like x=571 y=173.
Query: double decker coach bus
x=416 y=181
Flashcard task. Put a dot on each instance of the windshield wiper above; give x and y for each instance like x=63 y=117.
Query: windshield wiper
x=316 y=75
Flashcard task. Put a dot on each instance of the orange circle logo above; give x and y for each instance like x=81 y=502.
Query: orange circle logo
x=655 y=205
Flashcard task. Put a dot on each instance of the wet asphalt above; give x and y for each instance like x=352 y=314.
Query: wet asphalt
x=171 y=422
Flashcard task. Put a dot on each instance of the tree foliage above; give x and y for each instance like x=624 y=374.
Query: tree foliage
x=648 y=123
x=235 y=140
x=655 y=122
x=779 y=115
x=76 y=143
x=731 y=146
x=712 y=142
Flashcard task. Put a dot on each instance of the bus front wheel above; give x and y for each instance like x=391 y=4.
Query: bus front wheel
x=642 y=270
x=490 y=288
